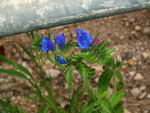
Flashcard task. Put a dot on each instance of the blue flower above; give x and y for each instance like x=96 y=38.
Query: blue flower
x=60 y=39
x=61 y=60
x=47 y=44
x=83 y=38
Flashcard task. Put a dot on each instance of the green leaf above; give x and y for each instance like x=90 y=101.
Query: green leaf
x=119 y=108
x=15 y=73
x=100 y=97
x=116 y=97
x=17 y=66
x=28 y=53
x=91 y=72
x=104 y=80
x=96 y=35
x=49 y=58
x=84 y=75
x=57 y=62
x=68 y=75
x=41 y=56
x=106 y=107
x=120 y=84
x=47 y=108
x=87 y=108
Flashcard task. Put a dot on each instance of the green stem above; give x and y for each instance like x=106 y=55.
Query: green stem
x=114 y=83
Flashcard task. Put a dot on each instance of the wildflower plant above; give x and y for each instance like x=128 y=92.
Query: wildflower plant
x=93 y=50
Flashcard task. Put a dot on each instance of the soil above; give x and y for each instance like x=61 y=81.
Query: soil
x=128 y=33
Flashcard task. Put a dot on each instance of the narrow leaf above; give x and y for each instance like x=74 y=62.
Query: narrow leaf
x=116 y=97
x=104 y=80
x=49 y=58
x=68 y=75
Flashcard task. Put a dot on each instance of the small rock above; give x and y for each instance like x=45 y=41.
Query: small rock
x=138 y=28
x=122 y=37
x=24 y=64
x=145 y=54
x=132 y=73
x=130 y=61
x=126 y=111
x=135 y=92
x=66 y=30
x=146 y=30
x=142 y=95
x=142 y=88
x=138 y=76
x=64 y=103
x=132 y=20
x=75 y=72
x=79 y=76
x=52 y=72
x=96 y=79
x=25 y=56
x=14 y=50
x=133 y=32
x=148 y=96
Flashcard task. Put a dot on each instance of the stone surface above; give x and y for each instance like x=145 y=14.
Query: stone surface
x=138 y=28
x=146 y=54
x=132 y=73
x=135 y=92
x=142 y=95
x=25 y=56
x=148 y=96
x=52 y=72
x=138 y=76
x=146 y=30
x=126 y=111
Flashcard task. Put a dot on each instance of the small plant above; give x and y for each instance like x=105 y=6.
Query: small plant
x=92 y=50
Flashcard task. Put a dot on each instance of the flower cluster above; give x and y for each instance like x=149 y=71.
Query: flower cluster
x=84 y=39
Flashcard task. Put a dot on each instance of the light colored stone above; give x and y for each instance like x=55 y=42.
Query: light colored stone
x=146 y=54
x=138 y=28
x=24 y=64
x=142 y=88
x=97 y=67
x=142 y=95
x=126 y=111
x=138 y=76
x=25 y=56
x=52 y=72
x=132 y=73
x=135 y=92
x=146 y=30
x=64 y=103
x=96 y=79
x=75 y=72
x=148 y=96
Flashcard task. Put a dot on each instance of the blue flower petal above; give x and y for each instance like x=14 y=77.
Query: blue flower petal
x=83 y=38
x=47 y=44
x=60 y=39
x=61 y=60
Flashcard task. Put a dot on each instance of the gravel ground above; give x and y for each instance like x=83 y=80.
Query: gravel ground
x=130 y=35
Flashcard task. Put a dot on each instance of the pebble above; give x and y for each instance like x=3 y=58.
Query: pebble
x=138 y=28
x=96 y=79
x=146 y=30
x=142 y=95
x=142 y=88
x=130 y=61
x=135 y=92
x=126 y=111
x=145 y=54
x=25 y=56
x=52 y=72
x=64 y=103
x=24 y=64
x=132 y=73
x=138 y=76
x=148 y=96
